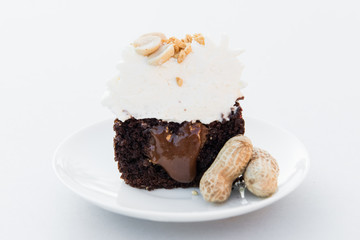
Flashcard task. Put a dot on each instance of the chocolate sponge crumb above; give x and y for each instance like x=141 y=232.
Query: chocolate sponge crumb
x=132 y=143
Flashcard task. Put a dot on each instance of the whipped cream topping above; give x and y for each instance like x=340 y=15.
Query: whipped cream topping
x=211 y=85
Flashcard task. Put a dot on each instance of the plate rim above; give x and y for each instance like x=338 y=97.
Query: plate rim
x=194 y=216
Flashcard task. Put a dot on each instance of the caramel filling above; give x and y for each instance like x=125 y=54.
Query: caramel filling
x=177 y=153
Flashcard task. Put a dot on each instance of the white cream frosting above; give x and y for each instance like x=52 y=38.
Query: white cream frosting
x=211 y=85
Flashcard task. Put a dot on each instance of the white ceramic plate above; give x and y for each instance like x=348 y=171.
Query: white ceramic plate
x=84 y=163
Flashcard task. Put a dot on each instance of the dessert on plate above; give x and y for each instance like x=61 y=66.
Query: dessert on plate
x=176 y=103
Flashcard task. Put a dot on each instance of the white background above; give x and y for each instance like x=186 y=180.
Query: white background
x=302 y=66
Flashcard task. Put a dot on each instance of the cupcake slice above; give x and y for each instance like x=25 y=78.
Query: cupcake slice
x=176 y=103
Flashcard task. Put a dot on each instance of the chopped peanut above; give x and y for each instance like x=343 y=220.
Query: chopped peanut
x=188 y=38
x=181 y=47
x=179 y=81
x=181 y=56
x=199 y=38
x=188 y=49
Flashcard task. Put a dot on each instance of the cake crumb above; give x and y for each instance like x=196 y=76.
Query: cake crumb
x=195 y=193
x=179 y=81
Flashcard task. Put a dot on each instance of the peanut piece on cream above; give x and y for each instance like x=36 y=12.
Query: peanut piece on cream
x=146 y=45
